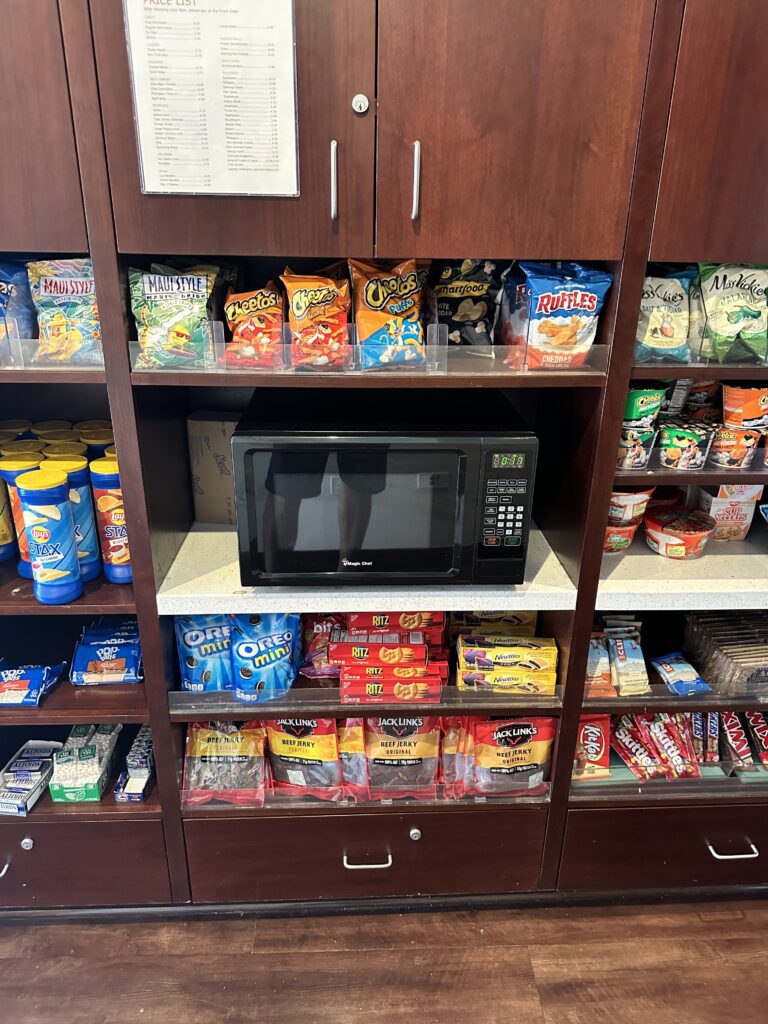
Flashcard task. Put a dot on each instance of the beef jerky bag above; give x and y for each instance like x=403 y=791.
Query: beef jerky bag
x=304 y=757
x=402 y=755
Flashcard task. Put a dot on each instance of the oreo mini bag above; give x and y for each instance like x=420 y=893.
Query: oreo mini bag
x=264 y=651
x=388 y=314
x=204 y=642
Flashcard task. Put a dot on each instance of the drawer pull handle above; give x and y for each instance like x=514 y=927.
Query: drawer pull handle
x=734 y=856
x=334 y=180
x=416 y=198
x=367 y=867
x=4 y=872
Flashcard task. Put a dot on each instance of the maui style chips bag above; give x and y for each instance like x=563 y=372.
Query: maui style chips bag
x=304 y=756
x=205 y=660
x=256 y=322
x=387 y=314
x=317 y=312
x=264 y=655
x=736 y=307
x=467 y=294
x=17 y=311
x=171 y=311
x=68 y=317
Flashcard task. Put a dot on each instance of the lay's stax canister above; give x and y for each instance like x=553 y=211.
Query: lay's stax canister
x=12 y=448
x=110 y=520
x=44 y=427
x=81 y=502
x=11 y=467
x=7 y=535
x=50 y=532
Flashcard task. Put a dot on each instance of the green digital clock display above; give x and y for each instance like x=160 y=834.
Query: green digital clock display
x=508 y=460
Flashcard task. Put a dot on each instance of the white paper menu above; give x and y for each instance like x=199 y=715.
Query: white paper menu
x=214 y=90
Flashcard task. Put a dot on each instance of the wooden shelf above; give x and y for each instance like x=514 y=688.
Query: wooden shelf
x=757 y=474
x=51 y=375
x=662 y=700
x=107 y=809
x=100 y=597
x=707 y=371
x=204 y=579
x=726 y=791
x=326 y=702
x=67 y=703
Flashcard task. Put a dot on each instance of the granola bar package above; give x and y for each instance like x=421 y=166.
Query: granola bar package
x=68 y=317
x=628 y=672
x=265 y=652
x=402 y=756
x=511 y=755
x=388 y=314
x=256 y=322
x=304 y=757
x=354 y=769
x=467 y=293
x=171 y=309
x=736 y=306
x=316 y=631
x=318 y=314
x=224 y=761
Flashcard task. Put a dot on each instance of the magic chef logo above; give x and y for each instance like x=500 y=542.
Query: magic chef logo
x=399 y=728
x=514 y=735
x=298 y=727
x=348 y=563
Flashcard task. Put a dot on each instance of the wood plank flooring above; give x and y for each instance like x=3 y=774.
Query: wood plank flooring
x=687 y=963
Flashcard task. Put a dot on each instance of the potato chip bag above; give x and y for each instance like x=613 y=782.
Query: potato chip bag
x=171 y=311
x=317 y=312
x=388 y=314
x=736 y=306
x=256 y=322
x=663 y=326
x=68 y=317
x=467 y=294
x=17 y=311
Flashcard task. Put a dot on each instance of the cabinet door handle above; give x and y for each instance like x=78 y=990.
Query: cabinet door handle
x=334 y=180
x=734 y=856
x=4 y=872
x=367 y=867
x=416 y=180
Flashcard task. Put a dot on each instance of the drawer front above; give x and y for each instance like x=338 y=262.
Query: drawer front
x=86 y=864
x=669 y=848
x=304 y=858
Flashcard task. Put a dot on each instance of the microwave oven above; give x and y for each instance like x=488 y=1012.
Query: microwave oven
x=378 y=486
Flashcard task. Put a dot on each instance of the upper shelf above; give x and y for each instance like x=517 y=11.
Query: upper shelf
x=100 y=597
x=107 y=702
x=204 y=579
x=757 y=474
x=51 y=375
x=706 y=371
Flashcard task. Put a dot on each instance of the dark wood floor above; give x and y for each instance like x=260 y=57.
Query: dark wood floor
x=695 y=963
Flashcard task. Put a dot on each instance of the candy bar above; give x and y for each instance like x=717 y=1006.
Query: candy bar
x=734 y=742
x=592 y=757
x=712 y=752
x=758 y=727
x=698 y=735
x=635 y=748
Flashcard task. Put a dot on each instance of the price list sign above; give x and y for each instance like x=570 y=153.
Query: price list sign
x=214 y=92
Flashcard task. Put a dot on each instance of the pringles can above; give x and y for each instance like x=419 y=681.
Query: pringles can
x=13 y=448
x=98 y=441
x=110 y=520
x=50 y=530
x=11 y=468
x=81 y=502
x=39 y=429
x=7 y=533
x=64 y=450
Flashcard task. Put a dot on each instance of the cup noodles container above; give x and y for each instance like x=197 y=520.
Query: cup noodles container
x=665 y=498
x=642 y=406
x=734 y=447
x=732 y=518
x=628 y=506
x=684 y=445
x=618 y=538
x=678 y=533
x=745 y=407
x=635 y=447
x=738 y=492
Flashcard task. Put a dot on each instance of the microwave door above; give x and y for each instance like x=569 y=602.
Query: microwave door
x=357 y=511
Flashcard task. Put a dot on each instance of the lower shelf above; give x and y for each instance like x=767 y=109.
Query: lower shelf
x=106 y=809
x=67 y=703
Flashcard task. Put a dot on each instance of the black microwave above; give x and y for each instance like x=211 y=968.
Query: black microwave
x=378 y=486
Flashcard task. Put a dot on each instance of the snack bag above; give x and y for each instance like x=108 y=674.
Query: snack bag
x=680 y=676
x=171 y=311
x=662 y=330
x=387 y=314
x=402 y=756
x=354 y=771
x=511 y=754
x=593 y=747
x=562 y=306
x=26 y=685
x=316 y=632
x=453 y=730
x=17 y=310
x=467 y=293
x=304 y=756
x=736 y=308
x=628 y=672
x=698 y=344
x=317 y=312
x=224 y=761
x=264 y=655
x=68 y=317
x=256 y=322
x=205 y=660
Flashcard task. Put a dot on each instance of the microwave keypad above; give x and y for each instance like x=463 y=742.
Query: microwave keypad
x=504 y=513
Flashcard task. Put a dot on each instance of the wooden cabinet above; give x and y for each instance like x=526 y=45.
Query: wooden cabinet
x=41 y=204
x=359 y=854
x=335 y=46
x=527 y=117
x=667 y=848
x=713 y=197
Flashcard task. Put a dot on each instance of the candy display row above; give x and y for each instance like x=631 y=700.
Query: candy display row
x=706 y=312
x=366 y=759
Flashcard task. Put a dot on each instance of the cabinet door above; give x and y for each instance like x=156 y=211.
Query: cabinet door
x=335 y=45
x=527 y=112
x=41 y=205
x=713 y=198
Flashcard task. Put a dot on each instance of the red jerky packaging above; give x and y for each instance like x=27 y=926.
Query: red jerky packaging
x=734 y=743
x=304 y=757
x=758 y=727
x=393 y=650
x=593 y=748
x=354 y=771
x=402 y=754
x=316 y=632
x=388 y=689
x=453 y=730
x=393 y=622
x=511 y=754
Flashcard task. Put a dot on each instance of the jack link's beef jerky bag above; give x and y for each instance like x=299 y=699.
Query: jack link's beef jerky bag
x=402 y=754
x=304 y=756
x=224 y=761
x=467 y=294
x=511 y=755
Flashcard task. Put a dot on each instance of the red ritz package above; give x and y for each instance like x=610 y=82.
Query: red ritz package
x=392 y=622
x=593 y=748
x=256 y=322
x=389 y=689
x=393 y=650
x=363 y=673
x=634 y=746
x=316 y=632
x=758 y=727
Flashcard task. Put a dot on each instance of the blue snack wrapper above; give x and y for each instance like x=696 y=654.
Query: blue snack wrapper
x=112 y=661
x=18 y=318
x=680 y=676
x=265 y=655
x=26 y=685
x=203 y=643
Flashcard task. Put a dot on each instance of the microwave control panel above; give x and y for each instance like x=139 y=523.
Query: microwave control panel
x=506 y=492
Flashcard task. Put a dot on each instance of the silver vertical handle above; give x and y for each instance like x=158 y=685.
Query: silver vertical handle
x=416 y=180
x=334 y=180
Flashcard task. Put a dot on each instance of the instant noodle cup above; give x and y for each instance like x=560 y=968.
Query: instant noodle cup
x=44 y=426
x=318 y=315
x=745 y=407
x=388 y=314
x=110 y=520
x=628 y=506
x=702 y=392
x=684 y=445
x=642 y=406
x=678 y=533
x=64 y=450
x=50 y=531
x=618 y=538
x=734 y=447
x=10 y=469
x=81 y=503
x=12 y=448
x=635 y=447
x=256 y=322
x=707 y=414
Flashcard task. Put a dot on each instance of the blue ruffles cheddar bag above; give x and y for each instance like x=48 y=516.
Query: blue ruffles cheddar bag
x=265 y=655
x=388 y=314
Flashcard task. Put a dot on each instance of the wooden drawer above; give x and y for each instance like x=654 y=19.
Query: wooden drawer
x=667 y=848
x=303 y=857
x=85 y=863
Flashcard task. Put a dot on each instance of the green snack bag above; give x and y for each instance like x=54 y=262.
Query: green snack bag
x=172 y=311
x=737 y=311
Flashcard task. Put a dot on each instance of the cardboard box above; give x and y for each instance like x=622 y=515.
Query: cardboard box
x=209 y=435
x=733 y=518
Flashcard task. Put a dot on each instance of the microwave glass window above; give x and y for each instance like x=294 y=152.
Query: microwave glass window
x=357 y=508
x=508 y=460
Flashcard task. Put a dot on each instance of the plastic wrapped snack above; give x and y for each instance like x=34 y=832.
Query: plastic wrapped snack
x=354 y=769
x=225 y=761
x=26 y=685
x=205 y=660
x=680 y=676
x=318 y=314
x=17 y=311
x=265 y=652
x=736 y=309
x=68 y=317
x=510 y=755
x=662 y=330
x=388 y=314
x=467 y=293
x=304 y=757
x=171 y=308
x=316 y=632
x=256 y=322
x=402 y=755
